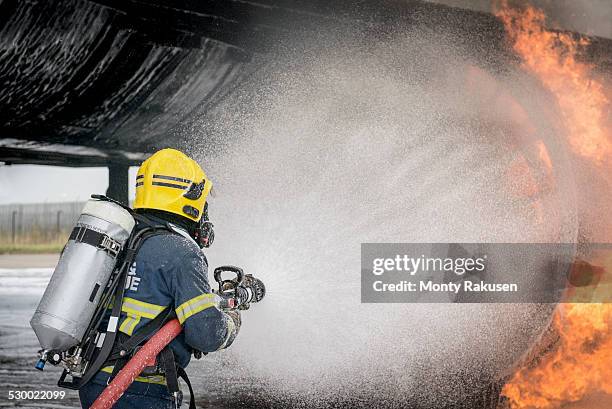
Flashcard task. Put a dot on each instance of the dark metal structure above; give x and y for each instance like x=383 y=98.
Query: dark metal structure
x=92 y=83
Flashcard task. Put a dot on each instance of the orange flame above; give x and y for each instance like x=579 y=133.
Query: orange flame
x=551 y=56
x=580 y=363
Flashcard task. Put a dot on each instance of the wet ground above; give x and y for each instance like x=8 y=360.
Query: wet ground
x=22 y=281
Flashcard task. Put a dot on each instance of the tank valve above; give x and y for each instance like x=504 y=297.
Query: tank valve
x=40 y=365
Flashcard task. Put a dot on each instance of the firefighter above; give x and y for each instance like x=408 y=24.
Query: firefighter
x=169 y=270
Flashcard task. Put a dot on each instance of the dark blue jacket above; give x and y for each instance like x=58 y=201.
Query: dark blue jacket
x=171 y=270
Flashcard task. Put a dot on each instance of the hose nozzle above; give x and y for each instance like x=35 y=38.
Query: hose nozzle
x=239 y=292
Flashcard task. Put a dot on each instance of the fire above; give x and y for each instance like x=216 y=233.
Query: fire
x=580 y=362
x=551 y=56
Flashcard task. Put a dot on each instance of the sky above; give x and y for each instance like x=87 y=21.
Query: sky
x=38 y=184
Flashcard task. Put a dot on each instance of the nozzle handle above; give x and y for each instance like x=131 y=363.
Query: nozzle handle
x=229 y=269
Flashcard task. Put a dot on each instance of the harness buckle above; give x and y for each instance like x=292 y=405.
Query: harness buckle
x=111 y=246
x=178 y=398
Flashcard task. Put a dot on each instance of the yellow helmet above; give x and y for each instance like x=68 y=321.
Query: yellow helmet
x=171 y=181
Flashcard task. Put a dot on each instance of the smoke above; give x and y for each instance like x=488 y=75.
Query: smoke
x=378 y=139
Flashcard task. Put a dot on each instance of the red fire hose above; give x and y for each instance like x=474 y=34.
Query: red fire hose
x=144 y=357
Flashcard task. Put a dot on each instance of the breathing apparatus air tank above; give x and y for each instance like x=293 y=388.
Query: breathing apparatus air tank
x=82 y=273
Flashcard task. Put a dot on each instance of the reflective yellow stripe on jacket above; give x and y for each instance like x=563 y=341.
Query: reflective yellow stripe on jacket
x=135 y=310
x=195 y=305
x=156 y=379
